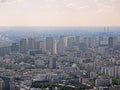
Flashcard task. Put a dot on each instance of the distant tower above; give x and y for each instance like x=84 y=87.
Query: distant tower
x=23 y=45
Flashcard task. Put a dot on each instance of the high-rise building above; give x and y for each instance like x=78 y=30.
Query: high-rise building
x=5 y=50
x=30 y=43
x=33 y=43
x=110 y=42
x=52 y=62
x=8 y=83
x=61 y=45
x=5 y=42
x=54 y=47
x=15 y=47
x=77 y=41
x=77 y=38
x=5 y=46
x=115 y=42
x=117 y=71
x=1 y=84
x=37 y=45
x=23 y=45
x=43 y=46
x=12 y=85
x=49 y=44
x=70 y=42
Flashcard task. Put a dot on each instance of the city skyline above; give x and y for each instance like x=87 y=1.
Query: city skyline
x=59 y=45
x=59 y=13
x=60 y=61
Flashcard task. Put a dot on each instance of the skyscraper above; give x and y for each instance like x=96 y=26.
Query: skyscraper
x=61 y=45
x=54 y=47
x=30 y=43
x=36 y=43
x=23 y=45
x=49 y=44
x=33 y=43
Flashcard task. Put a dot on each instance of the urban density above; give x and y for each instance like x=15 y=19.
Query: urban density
x=59 y=44
x=65 y=63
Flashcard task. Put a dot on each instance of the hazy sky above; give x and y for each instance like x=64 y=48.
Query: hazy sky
x=59 y=12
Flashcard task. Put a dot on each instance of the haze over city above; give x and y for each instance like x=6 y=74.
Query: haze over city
x=59 y=13
x=59 y=45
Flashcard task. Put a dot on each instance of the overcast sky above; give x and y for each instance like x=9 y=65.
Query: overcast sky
x=59 y=12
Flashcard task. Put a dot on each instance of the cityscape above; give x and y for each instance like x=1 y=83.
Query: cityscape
x=60 y=62
x=59 y=44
